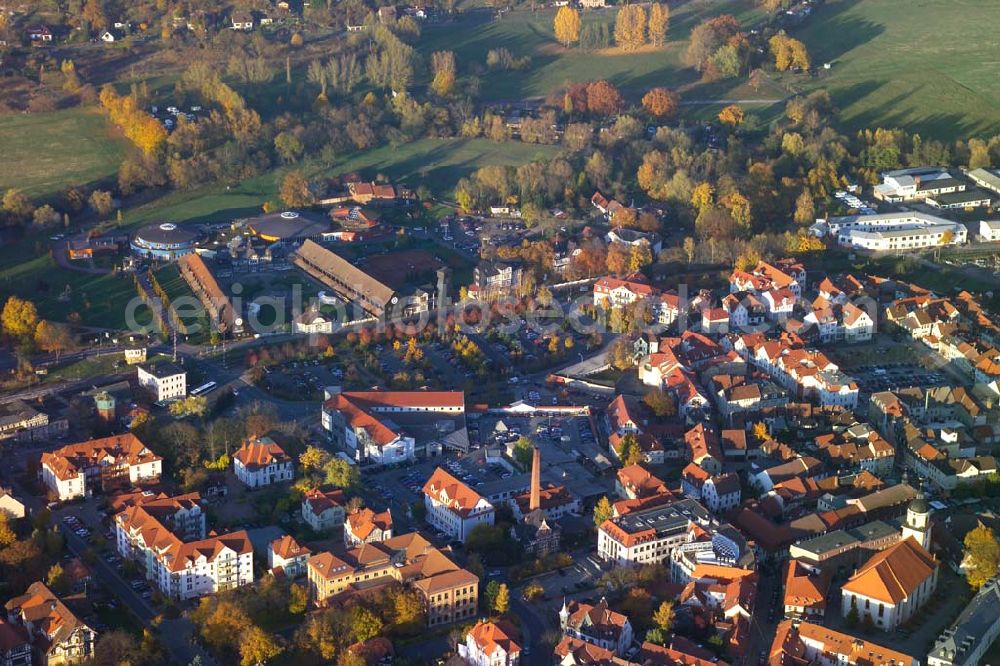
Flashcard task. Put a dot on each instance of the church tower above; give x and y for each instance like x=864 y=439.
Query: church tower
x=918 y=521
x=563 y=616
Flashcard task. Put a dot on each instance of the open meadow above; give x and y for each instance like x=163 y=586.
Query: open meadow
x=45 y=153
x=927 y=66
x=552 y=66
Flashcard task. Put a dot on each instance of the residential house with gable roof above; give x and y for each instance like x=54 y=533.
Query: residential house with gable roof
x=494 y=643
x=596 y=624
x=367 y=526
x=805 y=591
x=262 y=462
x=324 y=510
x=800 y=643
x=612 y=292
x=453 y=507
x=55 y=633
x=288 y=556
x=79 y=470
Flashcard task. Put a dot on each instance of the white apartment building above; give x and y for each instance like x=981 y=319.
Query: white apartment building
x=612 y=292
x=721 y=493
x=164 y=380
x=648 y=536
x=261 y=463
x=892 y=231
x=79 y=470
x=989 y=230
x=453 y=507
x=164 y=537
x=205 y=567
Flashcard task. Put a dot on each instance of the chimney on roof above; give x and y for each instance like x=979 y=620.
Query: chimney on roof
x=535 y=500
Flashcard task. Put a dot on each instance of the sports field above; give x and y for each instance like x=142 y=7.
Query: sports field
x=928 y=66
x=530 y=34
x=45 y=153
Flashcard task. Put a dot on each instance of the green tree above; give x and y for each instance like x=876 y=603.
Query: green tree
x=659 y=19
x=295 y=191
x=288 y=146
x=19 y=318
x=57 y=579
x=628 y=450
x=661 y=403
x=16 y=206
x=502 y=602
x=7 y=535
x=982 y=556
x=664 y=616
x=491 y=594
x=523 y=451
x=602 y=511
x=630 y=27
x=364 y=624
x=298 y=599
x=342 y=474
x=443 y=66
x=257 y=647
x=313 y=458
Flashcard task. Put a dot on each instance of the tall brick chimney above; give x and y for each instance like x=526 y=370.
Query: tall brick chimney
x=535 y=501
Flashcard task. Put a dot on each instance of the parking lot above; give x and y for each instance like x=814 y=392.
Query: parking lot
x=875 y=378
x=305 y=380
x=95 y=528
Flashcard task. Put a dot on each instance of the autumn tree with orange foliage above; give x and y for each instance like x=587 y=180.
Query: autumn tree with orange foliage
x=603 y=98
x=732 y=115
x=567 y=25
x=661 y=102
x=789 y=53
x=630 y=27
x=659 y=20
x=138 y=126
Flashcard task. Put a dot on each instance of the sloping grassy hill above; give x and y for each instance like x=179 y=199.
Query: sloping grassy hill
x=928 y=66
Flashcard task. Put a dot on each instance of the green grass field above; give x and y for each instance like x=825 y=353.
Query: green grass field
x=552 y=66
x=45 y=153
x=440 y=163
x=100 y=300
x=437 y=163
x=924 y=65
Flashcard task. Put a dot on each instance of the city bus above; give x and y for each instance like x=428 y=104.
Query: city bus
x=204 y=389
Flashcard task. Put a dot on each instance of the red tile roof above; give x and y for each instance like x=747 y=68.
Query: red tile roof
x=362 y=523
x=451 y=492
x=491 y=636
x=286 y=547
x=893 y=574
x=261 y=453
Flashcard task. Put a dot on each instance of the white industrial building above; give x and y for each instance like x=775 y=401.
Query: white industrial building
x=892 y=231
